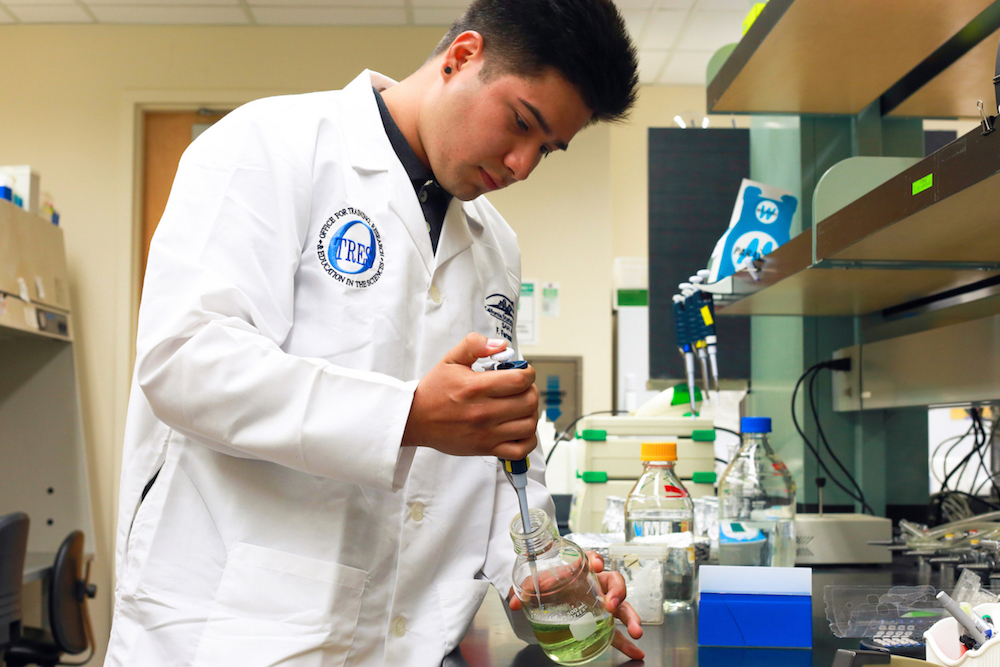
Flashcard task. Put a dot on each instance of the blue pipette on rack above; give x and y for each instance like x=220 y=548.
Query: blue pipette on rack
x=684 y=345
x=696 y=330
x=708 y=315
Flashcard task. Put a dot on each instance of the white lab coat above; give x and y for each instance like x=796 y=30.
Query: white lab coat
x=273 y=379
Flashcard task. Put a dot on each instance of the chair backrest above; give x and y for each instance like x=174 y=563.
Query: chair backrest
x=13 y=547
x=67 y=596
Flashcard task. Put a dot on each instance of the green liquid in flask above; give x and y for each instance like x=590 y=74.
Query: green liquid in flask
x=557 y=640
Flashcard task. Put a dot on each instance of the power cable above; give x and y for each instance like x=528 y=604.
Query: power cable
x=560 y=437
x=815 y=369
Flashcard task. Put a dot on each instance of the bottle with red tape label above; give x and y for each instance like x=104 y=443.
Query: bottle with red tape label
x=659 y=510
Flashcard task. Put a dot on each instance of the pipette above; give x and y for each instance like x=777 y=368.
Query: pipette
x=517 y=471
x=696 y=330
x=707 y=310
x=684 y=345
x=963 y=619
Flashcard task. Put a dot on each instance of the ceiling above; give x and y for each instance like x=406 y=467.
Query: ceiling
x=676 y=38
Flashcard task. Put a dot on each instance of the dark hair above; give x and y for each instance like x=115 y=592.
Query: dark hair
x=584 y=40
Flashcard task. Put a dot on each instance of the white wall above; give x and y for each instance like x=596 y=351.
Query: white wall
x=70 y=108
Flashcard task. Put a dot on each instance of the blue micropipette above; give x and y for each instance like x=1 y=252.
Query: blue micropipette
x=684 y=345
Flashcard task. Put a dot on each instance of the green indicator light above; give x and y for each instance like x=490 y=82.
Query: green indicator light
x=923 y=184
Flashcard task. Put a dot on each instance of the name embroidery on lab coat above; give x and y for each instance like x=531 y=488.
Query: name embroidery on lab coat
x=502 y=310
x=350 y=248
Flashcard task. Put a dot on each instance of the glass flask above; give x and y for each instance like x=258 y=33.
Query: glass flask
x=659 y=510
x=560 y=595
x=756 y=503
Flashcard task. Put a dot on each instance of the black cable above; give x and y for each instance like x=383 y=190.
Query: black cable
x=981 y=440
x=963 y=464
x=738 y=435
x=944 y=464
x=822 y=435
x=987 y=438
x=812 y=448
x=562 y=436
x=993 y=506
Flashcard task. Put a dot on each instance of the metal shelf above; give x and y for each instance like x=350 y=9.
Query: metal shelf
x=896 y=244
x=822 y=57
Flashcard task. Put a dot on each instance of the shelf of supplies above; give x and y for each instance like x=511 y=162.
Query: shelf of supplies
x=822 y=57
x=929 y=230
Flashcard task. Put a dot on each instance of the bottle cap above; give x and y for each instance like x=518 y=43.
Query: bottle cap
x=659 y=451
x=755 y=424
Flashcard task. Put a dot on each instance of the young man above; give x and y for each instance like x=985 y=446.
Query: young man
x=310 y=473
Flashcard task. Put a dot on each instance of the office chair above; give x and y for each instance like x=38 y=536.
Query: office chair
x=69 y=619
x=13 y=546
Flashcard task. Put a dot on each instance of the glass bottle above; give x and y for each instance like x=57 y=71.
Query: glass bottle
x=756 y=503
x=659 y=510
x=560 y=595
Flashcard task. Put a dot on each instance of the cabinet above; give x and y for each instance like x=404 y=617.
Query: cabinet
x=43 y=462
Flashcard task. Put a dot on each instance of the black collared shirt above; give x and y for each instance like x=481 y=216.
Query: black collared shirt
x=434 y=199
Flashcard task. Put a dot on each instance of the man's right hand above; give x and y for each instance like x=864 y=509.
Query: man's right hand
x=461 y=412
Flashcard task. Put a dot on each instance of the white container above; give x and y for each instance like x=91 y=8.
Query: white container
x=943 y=647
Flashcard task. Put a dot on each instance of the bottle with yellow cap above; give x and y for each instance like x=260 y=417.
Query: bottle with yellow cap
x=659 y=510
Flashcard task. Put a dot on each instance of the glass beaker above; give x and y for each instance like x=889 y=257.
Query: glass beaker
x=560 y=595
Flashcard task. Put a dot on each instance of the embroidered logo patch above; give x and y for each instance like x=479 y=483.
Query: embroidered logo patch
x=501 y=309
x=350 y=248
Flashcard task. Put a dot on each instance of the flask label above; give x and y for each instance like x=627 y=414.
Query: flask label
x=583 y=627
x=674 y=492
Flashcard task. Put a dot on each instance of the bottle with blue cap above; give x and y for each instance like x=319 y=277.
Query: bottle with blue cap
x=756 y=503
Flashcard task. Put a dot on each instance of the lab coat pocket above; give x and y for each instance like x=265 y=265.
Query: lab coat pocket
x=460 y=601
x=279 y=608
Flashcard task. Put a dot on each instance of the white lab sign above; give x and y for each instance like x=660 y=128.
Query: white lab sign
x=527 y=314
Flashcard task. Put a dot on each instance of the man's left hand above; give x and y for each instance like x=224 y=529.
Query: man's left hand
x=613 y=586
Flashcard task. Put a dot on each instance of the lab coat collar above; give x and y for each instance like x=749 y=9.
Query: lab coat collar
x=361 y=112
x=362 y=116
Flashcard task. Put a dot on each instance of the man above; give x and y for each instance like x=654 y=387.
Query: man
x=310 y=473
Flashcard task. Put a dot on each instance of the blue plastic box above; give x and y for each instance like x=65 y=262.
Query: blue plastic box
x=755 y=606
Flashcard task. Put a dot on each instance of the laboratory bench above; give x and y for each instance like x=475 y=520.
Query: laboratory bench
x=490 y=642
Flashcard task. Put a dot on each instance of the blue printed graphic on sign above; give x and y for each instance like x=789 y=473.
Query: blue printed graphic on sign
x=763 y=225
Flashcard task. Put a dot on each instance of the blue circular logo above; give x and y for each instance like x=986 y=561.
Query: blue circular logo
x=350 y=254
x=350 y=248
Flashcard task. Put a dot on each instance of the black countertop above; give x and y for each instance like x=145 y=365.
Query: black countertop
x=490 y=642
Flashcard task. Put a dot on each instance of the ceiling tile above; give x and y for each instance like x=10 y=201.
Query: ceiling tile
x=329 y=4
x=34 y=3
x=635 y=21
x=161 y=3
x=51 y=14
x=675 y=4
x=173 y=15
x=662 y=29
x=650 y=64
x=443 y=16
x=710 y=31
x=624 y=5
x=439 y=4
x=39 y=2
x=686 y=67
x=329 y=16
x=742 y=6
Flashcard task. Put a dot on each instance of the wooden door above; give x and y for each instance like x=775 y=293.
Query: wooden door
x=167 y=134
